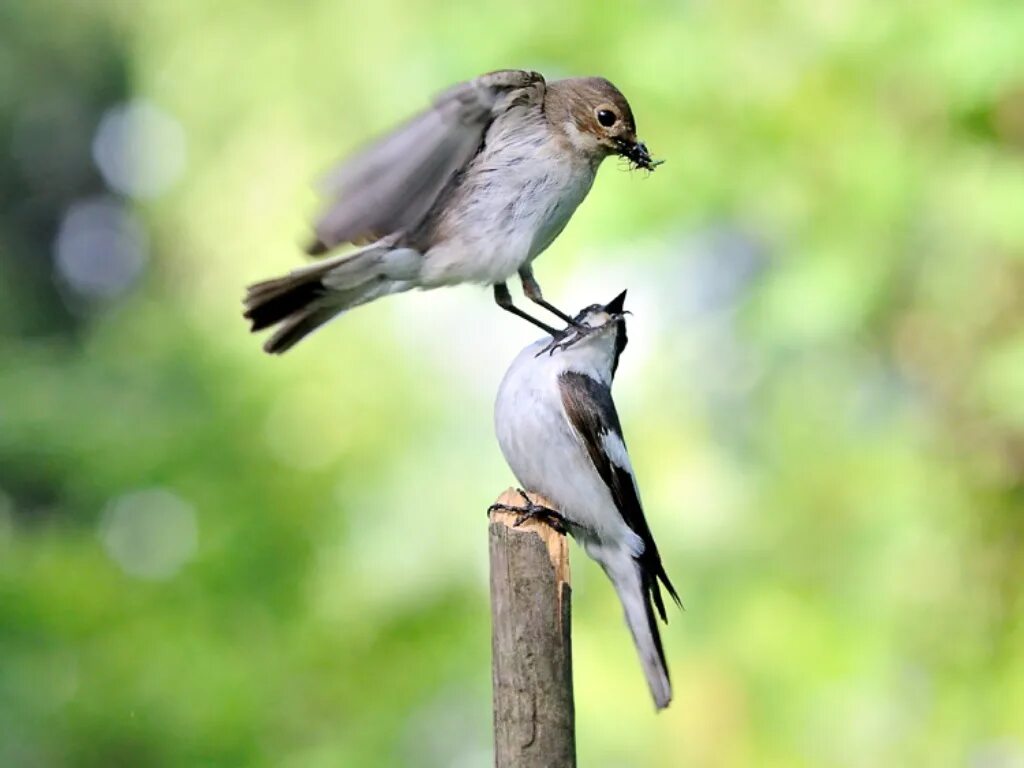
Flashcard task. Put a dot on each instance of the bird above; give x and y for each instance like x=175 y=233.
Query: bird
x=471 y=190
x=559 y=432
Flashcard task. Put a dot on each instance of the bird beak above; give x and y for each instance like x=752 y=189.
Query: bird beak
x=637 y=154
x=614 y=307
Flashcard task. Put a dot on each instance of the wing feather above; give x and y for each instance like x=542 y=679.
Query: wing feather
x=588 y=404
x=390 y=185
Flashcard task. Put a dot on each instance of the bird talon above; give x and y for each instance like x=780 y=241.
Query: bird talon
x=584 y=331
x=557 y=340
x=530 y=511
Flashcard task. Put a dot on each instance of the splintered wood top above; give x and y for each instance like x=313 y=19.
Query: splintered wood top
x=557 y=544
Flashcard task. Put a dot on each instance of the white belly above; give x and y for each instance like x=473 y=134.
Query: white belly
x=546 y=456
x=515 y=202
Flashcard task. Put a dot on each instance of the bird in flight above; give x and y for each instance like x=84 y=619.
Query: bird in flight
x=471 y=190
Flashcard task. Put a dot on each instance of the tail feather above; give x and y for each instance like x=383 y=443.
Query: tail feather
x=306 y=298
x=639 y=594
x=297 y=327
x=273 y=301
x=654 y=590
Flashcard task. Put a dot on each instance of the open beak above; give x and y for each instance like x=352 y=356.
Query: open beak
x=614 y=307
x=637 y=154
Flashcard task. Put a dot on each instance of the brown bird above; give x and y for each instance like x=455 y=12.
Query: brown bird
x=470 y=191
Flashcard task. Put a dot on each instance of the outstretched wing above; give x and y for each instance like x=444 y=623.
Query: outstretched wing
x=588 y=404
x=390 y=185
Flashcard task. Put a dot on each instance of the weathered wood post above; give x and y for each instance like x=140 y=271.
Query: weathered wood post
x=531 y=668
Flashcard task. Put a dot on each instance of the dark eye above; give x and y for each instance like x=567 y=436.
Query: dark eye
x=606 y=118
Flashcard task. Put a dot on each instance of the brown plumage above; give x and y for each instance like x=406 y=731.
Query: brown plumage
x=471 y=190
x=579 y=99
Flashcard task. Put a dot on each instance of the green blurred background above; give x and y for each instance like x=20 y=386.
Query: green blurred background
x=209 y=557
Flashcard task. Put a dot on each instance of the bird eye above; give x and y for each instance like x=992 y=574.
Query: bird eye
x=606 y=118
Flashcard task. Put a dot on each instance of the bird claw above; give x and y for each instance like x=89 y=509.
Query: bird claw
x=531 y=511
x=575 y=333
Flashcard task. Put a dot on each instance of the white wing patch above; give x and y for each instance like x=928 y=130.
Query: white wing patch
x=615 y=450
x=635 y=544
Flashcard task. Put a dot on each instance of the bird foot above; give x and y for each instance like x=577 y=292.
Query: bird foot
x=576 y=333
x=531 y=511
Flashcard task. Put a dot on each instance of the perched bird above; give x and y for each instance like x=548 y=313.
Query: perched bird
x=560 y=434
x=469 y=191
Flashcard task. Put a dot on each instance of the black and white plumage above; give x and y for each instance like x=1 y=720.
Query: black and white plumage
x=559 y=432
x=471 y=190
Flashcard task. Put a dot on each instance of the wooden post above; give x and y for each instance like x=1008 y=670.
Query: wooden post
x=531 y=668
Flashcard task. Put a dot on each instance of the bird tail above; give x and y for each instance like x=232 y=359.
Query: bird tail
x=306 y=298
x=638 y=592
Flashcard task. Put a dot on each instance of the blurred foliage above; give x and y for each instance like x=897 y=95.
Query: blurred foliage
x=210 y=557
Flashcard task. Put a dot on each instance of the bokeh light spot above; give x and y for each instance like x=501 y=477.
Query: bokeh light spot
x=101 y=249
x=149 y=533
x=139 y=149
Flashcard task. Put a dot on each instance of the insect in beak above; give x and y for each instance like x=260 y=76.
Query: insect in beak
x=637 y=154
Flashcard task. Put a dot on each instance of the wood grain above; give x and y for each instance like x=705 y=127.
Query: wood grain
x=534 y=716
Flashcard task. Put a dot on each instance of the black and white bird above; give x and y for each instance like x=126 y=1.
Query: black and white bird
x=470 y=191
x=560 y=434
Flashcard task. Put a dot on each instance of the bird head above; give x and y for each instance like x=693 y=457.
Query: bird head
x=607 y=341
x=596 y=120
x=603 y=315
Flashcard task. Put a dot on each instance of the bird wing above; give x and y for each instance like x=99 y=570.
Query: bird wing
x=591 y=412
x=390 y=185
